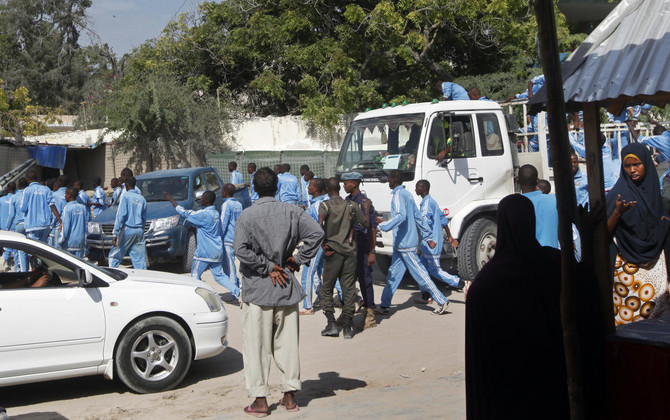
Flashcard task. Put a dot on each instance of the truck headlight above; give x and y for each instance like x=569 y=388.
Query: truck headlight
x=212 y=300
x=165 y=223
x=94 y=228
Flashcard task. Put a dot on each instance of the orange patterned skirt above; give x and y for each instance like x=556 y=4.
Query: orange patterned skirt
x=640 y=291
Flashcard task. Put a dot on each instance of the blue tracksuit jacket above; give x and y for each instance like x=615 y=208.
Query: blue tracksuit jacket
x=73 y=237
x=230 y=211
x=99 y=198
x=132 y=212
x=15 y=215
x=405 y=218
x=5 y=205
x=35 y=203
x=435 y=219
x=208 y=234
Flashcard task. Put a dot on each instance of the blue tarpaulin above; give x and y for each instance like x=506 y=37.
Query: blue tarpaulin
x=49 y=156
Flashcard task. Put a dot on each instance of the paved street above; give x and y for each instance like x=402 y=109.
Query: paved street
x=410 y=366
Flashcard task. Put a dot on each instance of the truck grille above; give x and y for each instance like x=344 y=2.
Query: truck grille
x=108 y=230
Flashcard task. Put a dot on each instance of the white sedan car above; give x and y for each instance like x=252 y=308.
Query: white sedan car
x=143 y=326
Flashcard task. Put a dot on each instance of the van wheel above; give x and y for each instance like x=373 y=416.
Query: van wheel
x=477 y=247
x=187 y=259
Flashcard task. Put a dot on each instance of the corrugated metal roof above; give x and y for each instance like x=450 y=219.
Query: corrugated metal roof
x=626 y=56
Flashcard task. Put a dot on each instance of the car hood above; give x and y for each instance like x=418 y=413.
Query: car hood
x=155 y=210
x=151 y=276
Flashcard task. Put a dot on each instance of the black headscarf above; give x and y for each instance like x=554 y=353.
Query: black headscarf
x=515 y=364
x=641 y=231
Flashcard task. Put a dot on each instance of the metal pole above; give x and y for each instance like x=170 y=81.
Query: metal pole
x=566 y=201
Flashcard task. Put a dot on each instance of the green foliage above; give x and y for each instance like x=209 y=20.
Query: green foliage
x=162 y=119
x=324 y=59
x=19 y=118
x=39 y=41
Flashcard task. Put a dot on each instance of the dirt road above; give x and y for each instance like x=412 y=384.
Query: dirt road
x=410 y=366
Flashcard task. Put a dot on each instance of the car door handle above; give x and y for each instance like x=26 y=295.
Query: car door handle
x=476 y=179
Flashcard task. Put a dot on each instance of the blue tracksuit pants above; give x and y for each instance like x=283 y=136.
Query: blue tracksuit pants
x=199 y=267
x=130 y=241
x=402 y=261
x=39 y=234
x=432 y=264
x=229 y=264
x=311 y=276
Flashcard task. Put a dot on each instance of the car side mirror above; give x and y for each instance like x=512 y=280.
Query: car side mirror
x=512 y=125
x=84 y=277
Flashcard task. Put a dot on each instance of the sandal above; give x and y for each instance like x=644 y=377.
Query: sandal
x=258 y=414
x=290 y=410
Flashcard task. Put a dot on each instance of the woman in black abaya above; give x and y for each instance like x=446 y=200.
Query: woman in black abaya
x=514 y=359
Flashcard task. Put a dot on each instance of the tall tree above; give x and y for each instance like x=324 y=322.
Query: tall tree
x=39 y=40
x=324 y=58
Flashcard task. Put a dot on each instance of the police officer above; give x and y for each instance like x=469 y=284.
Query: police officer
x=230 y=211
x=73 y=237
x=366 y=239
x=209 y=252
x=129 y=228
x=36 y=204
x=404 y=220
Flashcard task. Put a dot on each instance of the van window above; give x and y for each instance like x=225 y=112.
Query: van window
x=198 y=184
x=439 y=129
x=489 y=135
x=212 y=182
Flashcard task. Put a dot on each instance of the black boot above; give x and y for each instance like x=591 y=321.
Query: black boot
x=331 y=328
x=348 y=329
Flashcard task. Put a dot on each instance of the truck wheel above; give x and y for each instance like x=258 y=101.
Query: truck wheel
x=153 y=355
x=187 y=259
x=476 y=248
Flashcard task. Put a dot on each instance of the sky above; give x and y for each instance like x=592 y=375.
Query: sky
x=125 y=24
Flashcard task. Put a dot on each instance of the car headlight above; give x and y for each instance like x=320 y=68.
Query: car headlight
x=165 y=223
x=212 y=299
x=94 y=228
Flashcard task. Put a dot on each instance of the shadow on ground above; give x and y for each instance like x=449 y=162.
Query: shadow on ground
x=324 y=387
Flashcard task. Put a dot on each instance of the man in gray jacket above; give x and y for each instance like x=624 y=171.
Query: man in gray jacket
x=266 y=235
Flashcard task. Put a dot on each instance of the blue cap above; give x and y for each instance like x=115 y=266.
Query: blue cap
x=352 y=176
x=646 y=107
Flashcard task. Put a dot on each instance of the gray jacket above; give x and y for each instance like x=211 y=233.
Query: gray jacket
x=266 y=234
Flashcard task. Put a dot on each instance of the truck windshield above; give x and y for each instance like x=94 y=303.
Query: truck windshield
x=381 y=144
x=152 y=189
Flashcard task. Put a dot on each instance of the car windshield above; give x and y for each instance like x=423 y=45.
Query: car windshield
x=152 y=188
x=381 y=144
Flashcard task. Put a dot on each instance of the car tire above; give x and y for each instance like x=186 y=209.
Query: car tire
x=153 y=355
x=476 y=247
x=187 y=259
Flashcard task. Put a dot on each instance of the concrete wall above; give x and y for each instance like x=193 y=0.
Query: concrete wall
x=282 y=133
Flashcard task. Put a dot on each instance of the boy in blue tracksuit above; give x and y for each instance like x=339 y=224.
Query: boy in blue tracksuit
x=404 y=220
x=59 y=201
x=99 y=201
x=437 y=221
x=251 y=169
x=73 y=237
x=36 y=204
x=311 y=274
x=129 y=228
x=230 y=211
x=209 y=252
x=289 y=186
x=14 y=222
x=83 y=198
x=5 y=204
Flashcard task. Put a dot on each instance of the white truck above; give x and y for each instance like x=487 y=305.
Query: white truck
x=467 y=184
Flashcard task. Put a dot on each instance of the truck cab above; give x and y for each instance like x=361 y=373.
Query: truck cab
x=168 y=236
x=462 y=148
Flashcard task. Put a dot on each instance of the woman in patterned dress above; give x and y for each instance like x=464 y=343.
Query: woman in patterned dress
x=639 y=227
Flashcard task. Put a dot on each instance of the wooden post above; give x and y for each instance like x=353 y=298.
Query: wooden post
x=567 y=203
x=594 y=168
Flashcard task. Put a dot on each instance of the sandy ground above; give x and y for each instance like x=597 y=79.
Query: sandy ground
x=411 y=365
